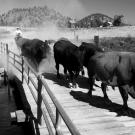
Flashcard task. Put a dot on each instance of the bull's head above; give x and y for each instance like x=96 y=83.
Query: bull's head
x=44 y=49
x=88 y=50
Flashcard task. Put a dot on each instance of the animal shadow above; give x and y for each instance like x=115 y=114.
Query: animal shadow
x=81 y=81
x=100 y=102
x=52 y=76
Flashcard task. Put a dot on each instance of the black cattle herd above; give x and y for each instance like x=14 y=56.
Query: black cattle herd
x=116 y=69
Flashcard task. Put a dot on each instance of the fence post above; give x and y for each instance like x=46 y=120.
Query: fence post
x=58 y=122
x=39 y=100
x=96 y=40
x=7 y=55
x=7 y=66
x=28 y=75
x=14 y=59
x=22 y=70
x=0 y=47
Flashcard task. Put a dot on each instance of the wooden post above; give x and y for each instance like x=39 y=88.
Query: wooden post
x=96 y=40
x=39 y=101
x=0 y=48
x=14 y=59
x=28 y=74
x=7 y=66
x=7 y=53
x=22 y=70
x=58 y=122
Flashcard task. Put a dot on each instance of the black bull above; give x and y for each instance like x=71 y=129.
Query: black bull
x=112 y=68
x=33 y=49
x=68 y=55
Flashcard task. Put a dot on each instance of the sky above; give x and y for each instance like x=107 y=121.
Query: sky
x=78 y=8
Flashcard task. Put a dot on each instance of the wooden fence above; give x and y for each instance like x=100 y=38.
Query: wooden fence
x=51 y=118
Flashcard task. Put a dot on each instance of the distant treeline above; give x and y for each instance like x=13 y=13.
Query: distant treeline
x=99 y=20
x=30 y=17
x=94 y=20
x=38 y=16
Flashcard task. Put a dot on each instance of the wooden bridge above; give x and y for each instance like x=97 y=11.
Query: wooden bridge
x=58 y=110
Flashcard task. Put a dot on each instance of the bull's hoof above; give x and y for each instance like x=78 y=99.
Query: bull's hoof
x=75 y=86
x=70 y=85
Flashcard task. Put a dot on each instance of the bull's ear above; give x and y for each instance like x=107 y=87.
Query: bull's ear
x=46 y=42
x=83 y=43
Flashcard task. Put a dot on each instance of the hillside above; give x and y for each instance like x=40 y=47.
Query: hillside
x=31 y=17
x=94 y=20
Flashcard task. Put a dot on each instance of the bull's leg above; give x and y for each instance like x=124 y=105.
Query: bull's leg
x=65 y=72
x=103 y=87
x=124 y=95
x=72 y=80
x=91 y=83
x=57 y=68
x=91 y=75
x=82 y=72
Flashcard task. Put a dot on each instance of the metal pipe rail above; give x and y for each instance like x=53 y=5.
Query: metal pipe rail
x=37 y=83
